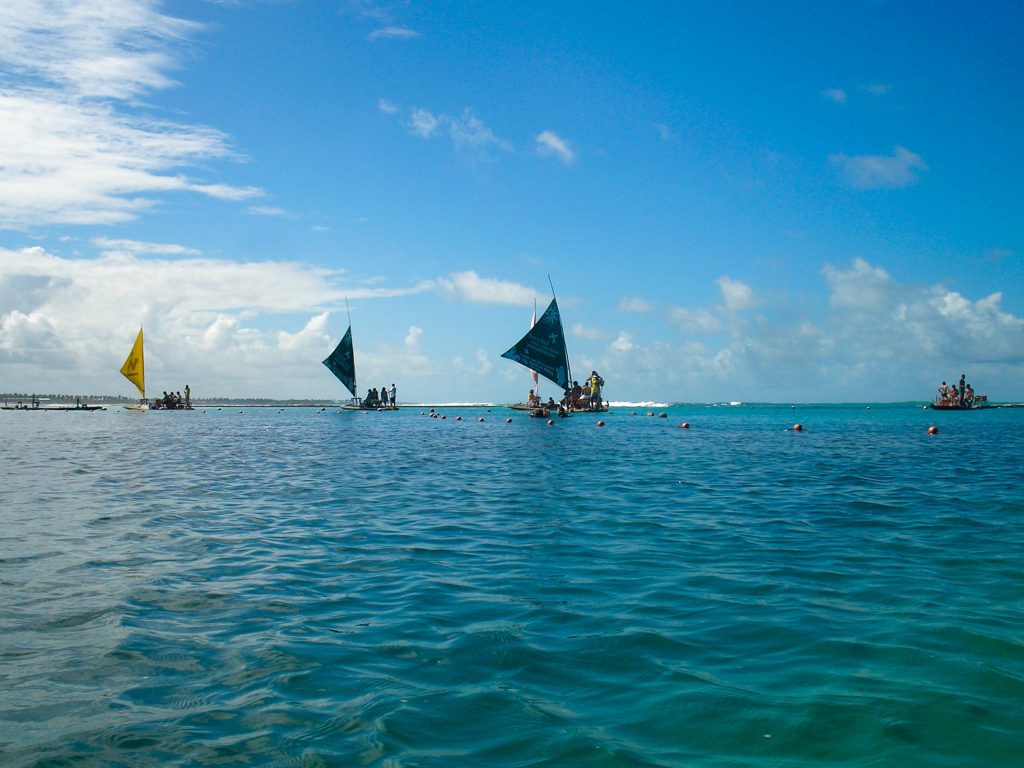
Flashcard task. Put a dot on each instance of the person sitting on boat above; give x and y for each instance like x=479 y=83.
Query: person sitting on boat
x=533 y=399
x=577 y=394
x=968 y=395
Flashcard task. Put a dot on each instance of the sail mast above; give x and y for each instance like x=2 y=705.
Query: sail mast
x=355 y=385
x=568 y=369
x=533 y=373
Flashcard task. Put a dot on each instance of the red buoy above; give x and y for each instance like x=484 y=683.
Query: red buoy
x=481 y=418
x=933 y=430
x=600 y=423
x=508 y=420
x=685 y=425
x=551 y=422
x=798 y=427
x=458 y=418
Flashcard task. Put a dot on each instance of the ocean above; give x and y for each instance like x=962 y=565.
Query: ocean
x=306 y=587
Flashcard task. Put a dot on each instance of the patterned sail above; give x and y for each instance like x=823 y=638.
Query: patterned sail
x=341 y=362
x=134 y=368
x=543 y=348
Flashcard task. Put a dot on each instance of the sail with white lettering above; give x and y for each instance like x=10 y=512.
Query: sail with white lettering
x=543 y=349
x=341 y=362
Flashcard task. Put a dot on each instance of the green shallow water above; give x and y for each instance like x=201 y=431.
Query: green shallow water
x=312 y=588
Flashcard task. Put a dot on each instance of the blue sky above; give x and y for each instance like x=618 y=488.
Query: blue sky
x=735 y=201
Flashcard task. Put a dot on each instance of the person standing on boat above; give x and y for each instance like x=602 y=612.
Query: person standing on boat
x=596 y=382
x=188 y=396
x=384 y=397
x=943 y=391
x=963 y=385
x=394 y=396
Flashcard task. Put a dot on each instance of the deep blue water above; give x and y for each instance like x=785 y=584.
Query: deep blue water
x=306 y=588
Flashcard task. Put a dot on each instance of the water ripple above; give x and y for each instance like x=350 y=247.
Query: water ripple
x=318 y=589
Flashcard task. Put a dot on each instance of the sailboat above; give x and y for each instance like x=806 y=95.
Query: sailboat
x=134 y=369
x=341 y=362
x=542 y=350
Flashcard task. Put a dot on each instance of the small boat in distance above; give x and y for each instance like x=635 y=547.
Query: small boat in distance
x=959 y=397
x=134 y=369
x=342 y=363
x=946 y=404
x=36 y=405
x=542 y=350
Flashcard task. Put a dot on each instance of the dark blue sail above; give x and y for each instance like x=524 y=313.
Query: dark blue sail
x=543 y=348
x=342 y=364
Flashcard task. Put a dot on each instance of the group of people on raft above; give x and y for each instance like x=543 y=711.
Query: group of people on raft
x=383 y=398
x=959 y=394
x=173 y=401
x=576 y=398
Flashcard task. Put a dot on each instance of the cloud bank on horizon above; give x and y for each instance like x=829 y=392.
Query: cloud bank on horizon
x=823 y=277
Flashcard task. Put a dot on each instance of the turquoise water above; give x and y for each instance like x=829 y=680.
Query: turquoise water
x=307 y=588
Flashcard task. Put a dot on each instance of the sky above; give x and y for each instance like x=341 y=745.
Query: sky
x=782 y=202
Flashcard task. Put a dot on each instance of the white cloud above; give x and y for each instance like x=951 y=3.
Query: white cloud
x=266 y=210
x=467 y=132
x=736 y=294
x=387 y=107
x=483 y=367
x=623 y=342
x=876 y=89
x=422 y=123
x=105 y=49
x=471 y=288
x=313 y=335
x=581 y=331
x=393 y=33
x=870 y=339
x=110 y=245
x=245 y=327
x=664 y=132
x=838 y=95
x=226 y=192
x=695 y=321
x=413 y=337
x=863 y=288
x=69 y=151
x=635 y=304
x=551 y=144
x=879 y=171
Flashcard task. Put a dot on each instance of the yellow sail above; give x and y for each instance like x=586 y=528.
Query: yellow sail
x=134 y=368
